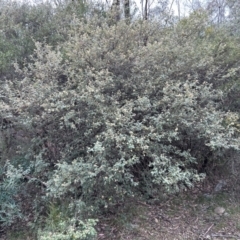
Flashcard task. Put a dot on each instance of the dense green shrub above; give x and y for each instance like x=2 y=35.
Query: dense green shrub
x=121 y=110
x=9 y=187
x=23 y=23
x=113 y=114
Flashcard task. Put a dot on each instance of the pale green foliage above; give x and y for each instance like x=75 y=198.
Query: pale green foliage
x=23 y=23
x=208 y=53
x=67 y=230
x=114 y=114
x=9 y=187
x=61 y=224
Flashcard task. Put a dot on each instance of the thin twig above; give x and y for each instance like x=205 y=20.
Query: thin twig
x=164 y=218
x=196 y=220
x=208 y=230
x=224 y=236
x=144 y=204
x=35 y=179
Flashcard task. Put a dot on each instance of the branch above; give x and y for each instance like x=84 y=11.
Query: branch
x=225 y=236
x=208 y=230
x=35 y=179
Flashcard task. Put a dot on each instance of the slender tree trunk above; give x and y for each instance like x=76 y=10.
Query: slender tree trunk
x=146 y=10
x=116 y=10
x=178 y=6
x=127 y=9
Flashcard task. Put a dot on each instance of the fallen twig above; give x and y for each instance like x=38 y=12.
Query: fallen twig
x=196 y=220
x=225 y=236
x=144 y=204
x=208 y=230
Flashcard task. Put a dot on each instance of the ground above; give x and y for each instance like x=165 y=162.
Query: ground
x=189 y=215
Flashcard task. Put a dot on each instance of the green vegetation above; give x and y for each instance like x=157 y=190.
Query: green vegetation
x=96 y=110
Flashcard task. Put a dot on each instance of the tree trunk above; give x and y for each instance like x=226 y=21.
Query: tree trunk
x=116 y=10
x=127 y=9
x=146 y=10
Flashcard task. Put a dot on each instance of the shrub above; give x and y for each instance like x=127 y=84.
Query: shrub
x=112 y=116
x=9 y=187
